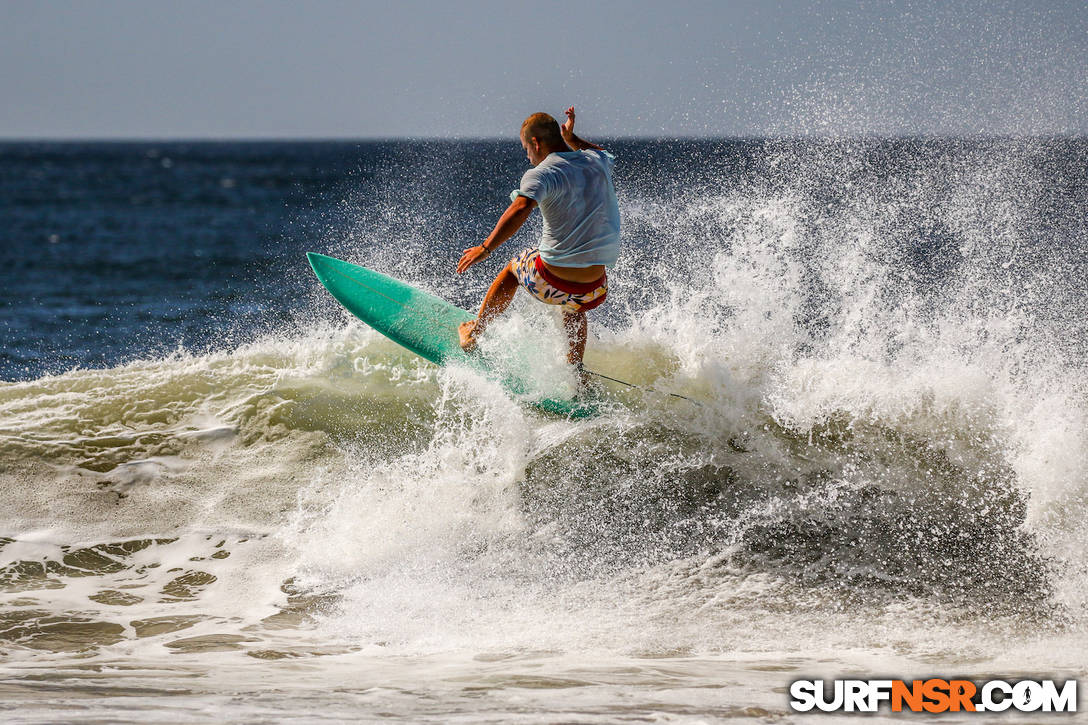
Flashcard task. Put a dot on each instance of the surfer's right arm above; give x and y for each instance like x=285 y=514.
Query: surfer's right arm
x=572 y=139
x=510 y=221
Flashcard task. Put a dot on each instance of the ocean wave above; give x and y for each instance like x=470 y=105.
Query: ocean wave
x=887 y=419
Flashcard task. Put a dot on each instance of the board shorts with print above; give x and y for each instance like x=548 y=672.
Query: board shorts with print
x=546 y=287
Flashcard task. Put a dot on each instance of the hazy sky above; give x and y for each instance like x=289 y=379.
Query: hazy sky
x=197 y=69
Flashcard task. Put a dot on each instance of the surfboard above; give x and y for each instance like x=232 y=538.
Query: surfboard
x=423 y=323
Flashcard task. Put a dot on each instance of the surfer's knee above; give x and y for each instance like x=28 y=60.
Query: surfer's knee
x=505 y=279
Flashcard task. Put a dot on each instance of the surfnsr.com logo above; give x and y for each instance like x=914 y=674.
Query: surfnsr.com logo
x=934 y=695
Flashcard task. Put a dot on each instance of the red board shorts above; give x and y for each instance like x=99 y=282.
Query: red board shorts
x=546 y=287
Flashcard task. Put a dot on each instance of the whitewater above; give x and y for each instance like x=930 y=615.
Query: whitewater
x=278 y=513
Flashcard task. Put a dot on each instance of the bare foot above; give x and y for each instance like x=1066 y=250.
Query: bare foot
x=467 y=332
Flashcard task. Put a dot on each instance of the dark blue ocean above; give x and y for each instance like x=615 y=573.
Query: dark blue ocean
x=223 y=494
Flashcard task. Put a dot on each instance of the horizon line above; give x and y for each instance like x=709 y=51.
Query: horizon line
x=512 y=137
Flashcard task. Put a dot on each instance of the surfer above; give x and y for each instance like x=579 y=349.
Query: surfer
x=571 y=182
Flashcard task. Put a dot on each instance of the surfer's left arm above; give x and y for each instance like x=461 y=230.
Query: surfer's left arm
x=572 y=139
x=510 y=221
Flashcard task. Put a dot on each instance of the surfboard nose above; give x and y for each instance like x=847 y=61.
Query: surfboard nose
x=315 y=261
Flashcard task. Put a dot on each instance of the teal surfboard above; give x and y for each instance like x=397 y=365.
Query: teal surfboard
x=425 y=324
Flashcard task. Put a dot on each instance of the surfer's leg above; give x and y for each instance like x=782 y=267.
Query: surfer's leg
x=498 y=298
x=576 y=327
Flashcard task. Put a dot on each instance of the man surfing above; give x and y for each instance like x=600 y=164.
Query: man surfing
x=571 y=182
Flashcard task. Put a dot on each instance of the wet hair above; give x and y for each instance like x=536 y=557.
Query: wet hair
x=543 y=127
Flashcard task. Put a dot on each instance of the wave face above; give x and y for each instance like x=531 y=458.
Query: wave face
x=242 y=489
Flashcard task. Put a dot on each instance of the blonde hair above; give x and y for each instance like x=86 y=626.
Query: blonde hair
x=542 y=127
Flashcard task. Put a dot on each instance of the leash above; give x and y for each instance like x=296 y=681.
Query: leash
x=646 y=388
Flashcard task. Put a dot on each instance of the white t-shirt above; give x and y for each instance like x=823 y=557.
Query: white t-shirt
x=578 y=202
